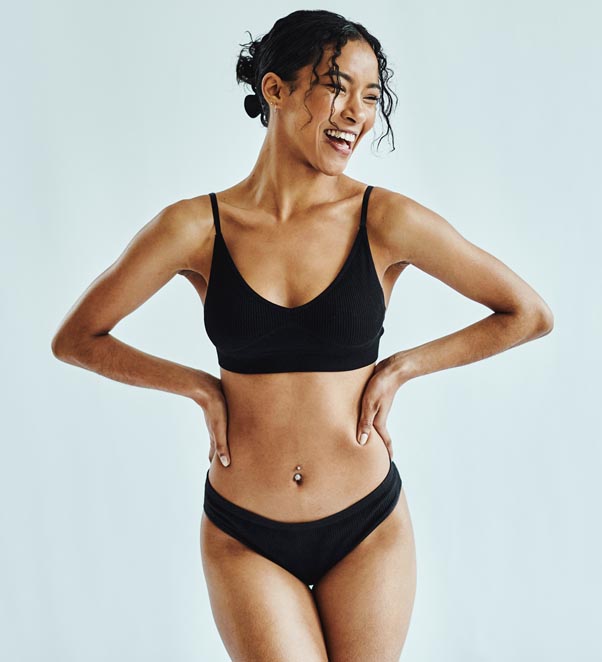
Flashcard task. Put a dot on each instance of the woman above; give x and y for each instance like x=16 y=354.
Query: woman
x=306 y=538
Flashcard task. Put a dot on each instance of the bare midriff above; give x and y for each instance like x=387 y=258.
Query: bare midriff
x=279 y=422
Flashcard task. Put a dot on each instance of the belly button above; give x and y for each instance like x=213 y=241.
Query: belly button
x=298 y=477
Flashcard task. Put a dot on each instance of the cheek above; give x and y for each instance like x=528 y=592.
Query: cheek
x=371 y=120
x=306 y=125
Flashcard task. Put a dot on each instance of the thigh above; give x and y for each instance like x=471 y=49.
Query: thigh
x=365 y=601
x=262 y=612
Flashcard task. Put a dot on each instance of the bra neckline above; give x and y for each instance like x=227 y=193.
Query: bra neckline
x=315 y=299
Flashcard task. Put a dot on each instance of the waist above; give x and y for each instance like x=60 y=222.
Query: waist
x=335 y=469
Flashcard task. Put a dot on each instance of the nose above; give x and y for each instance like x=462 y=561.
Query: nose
x=354 y=110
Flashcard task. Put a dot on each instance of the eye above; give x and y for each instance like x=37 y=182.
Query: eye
x=342 y=89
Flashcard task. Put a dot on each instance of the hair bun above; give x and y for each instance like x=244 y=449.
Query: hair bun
x=252 y=105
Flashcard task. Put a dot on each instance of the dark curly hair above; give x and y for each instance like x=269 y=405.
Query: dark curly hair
x=299 y=39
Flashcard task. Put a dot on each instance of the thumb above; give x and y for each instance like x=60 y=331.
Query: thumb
x=365 y=423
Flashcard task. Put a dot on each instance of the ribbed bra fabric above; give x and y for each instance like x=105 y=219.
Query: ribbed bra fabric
x=339 y=329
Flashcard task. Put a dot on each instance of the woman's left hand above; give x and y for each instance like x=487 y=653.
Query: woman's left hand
x=377 y=399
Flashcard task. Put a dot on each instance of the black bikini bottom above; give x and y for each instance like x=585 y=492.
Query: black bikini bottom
x=306 y=549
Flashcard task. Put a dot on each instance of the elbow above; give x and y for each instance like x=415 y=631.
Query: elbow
x=533 y=320
x=58 y=346
x=65 y=343
x=72 y=345
x=542 y=319
x=548 y=323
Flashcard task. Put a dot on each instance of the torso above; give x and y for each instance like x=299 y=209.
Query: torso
x=277 y=422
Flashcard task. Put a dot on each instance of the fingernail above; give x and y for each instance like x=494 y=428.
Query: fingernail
x=225 y=460
x=363 y=438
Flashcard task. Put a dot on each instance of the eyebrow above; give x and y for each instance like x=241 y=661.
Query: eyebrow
x=342 y=74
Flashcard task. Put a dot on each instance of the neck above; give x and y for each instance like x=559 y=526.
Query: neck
x=285 y=182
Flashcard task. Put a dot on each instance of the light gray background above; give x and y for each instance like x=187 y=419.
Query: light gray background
x=113 y=110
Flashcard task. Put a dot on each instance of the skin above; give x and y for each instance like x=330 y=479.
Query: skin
x=267 y=424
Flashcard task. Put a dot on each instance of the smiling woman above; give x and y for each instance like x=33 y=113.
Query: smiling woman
x=306 y=538
x=287 y=53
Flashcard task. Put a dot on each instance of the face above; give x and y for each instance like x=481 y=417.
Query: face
x=354 y=113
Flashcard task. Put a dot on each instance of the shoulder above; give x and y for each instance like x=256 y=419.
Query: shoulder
x=399 y=223
x=188 y=218
x=185 y=225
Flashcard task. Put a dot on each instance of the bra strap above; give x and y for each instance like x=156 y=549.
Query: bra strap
x=215 y=213
x=365 y=206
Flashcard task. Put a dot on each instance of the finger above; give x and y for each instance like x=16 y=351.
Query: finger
x=369 y=410
x=221 y=446
x=380 y=425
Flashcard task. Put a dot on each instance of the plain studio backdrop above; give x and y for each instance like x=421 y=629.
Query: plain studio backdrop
x=110 y=112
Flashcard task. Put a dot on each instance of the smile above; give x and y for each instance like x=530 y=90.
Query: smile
x=341 y=141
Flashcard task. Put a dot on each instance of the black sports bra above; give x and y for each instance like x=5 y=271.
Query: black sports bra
x=339 y=329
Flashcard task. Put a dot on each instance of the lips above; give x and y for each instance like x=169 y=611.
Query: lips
x=342 y=147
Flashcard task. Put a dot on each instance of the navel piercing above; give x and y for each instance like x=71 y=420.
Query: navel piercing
x=298 y=477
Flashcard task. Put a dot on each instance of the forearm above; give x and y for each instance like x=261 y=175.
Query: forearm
x=489 y=336
x=112 y=358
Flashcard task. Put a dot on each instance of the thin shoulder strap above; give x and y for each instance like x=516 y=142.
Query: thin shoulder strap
x=215 y=213
x=365 y=206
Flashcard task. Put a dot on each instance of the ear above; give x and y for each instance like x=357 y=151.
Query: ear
x=272 y=88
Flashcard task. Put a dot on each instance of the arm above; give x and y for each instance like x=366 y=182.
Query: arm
x=410 y=233
x=157 y=252
x=416 y=235
x=160 y=250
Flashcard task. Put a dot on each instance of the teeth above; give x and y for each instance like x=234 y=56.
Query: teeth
x=349 y=137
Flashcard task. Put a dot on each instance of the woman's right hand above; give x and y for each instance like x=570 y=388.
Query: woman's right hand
x=215 y=409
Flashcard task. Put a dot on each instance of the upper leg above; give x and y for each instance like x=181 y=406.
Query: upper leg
x=263 y=613
x=365 y=601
